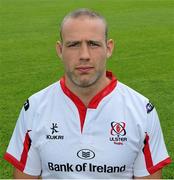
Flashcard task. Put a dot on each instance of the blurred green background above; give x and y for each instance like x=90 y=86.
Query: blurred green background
x=143 y=31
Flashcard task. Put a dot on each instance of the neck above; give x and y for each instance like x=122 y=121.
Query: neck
x=87 y=93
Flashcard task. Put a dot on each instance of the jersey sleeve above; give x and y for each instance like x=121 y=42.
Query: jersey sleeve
x=153 y=156
x=21 y=152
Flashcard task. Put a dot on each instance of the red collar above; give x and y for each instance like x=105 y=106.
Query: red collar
x=95 y=100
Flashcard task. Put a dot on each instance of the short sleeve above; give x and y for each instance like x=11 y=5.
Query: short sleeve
x=21 y=152
x=153 y=156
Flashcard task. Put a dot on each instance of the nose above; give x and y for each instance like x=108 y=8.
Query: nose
x=84 y=52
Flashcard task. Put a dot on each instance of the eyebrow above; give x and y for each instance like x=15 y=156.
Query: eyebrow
x=95 y=42
x=78 y=42
x=71 y=42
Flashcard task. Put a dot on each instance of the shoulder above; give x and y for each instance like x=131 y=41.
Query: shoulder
x=41 y=97
x=130 y=93
x=36 y=104
x=138 y=109
x=134 y=99
x=45 y=93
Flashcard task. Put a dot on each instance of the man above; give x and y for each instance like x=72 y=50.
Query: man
x=88 y=124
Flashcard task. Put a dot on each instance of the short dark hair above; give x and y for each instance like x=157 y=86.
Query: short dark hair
x=84 y=12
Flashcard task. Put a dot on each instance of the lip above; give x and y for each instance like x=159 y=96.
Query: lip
x=84 y=68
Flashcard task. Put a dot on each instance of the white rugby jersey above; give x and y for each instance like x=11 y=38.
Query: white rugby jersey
x=117 y=136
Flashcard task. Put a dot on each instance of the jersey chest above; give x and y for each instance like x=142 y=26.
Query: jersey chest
x=108 y=144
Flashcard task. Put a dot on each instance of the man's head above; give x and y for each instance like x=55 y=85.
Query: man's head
x=83 y=13
x=84 y=47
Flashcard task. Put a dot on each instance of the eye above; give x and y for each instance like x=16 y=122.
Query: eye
x=73 y=44
x=93 y=44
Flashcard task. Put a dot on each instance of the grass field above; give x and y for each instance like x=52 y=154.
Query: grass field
x=143 y=59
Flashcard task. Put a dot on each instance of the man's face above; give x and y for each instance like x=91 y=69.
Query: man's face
x=84 y=50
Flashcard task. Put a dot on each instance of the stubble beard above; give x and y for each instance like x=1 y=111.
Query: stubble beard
x=86 y=82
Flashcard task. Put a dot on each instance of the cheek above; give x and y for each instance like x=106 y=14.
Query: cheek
x=68 y=59
x=66 y=55
x=101 y=60
x=67 y=64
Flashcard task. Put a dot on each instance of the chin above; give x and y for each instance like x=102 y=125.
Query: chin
x=86 y=83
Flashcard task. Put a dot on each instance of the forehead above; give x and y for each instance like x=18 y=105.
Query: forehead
x=83 y=28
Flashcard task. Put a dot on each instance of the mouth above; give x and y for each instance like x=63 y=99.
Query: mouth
x=84 y=69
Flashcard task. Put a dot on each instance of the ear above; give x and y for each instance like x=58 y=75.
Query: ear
x=59 y=49
x=110 y=47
